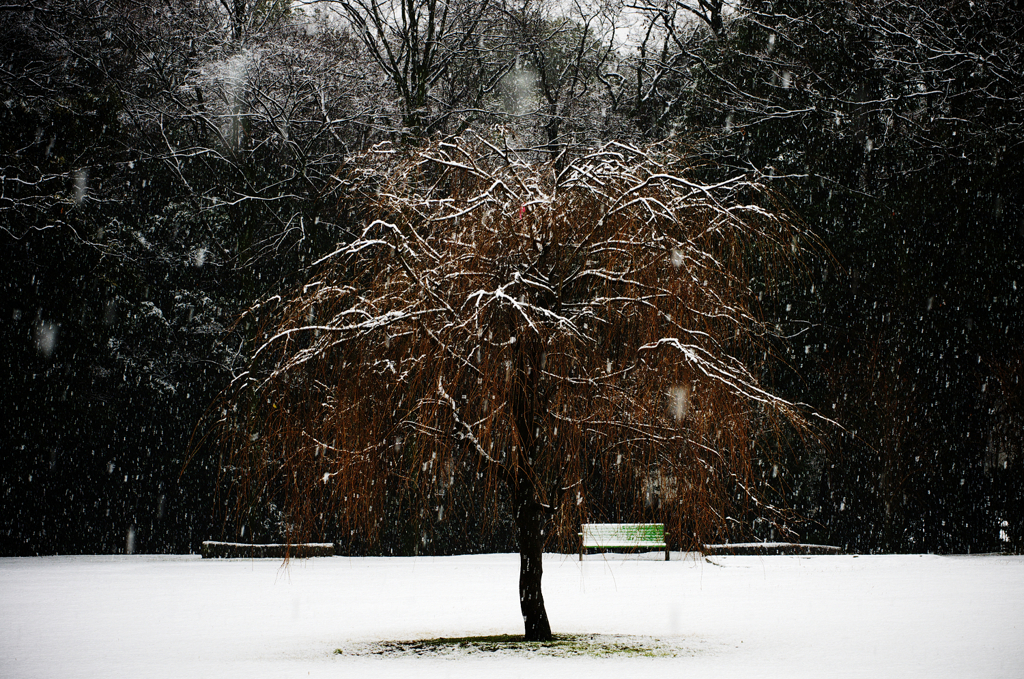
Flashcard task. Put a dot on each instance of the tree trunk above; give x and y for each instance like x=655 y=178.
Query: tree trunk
x=530 y=514
x=531 y=520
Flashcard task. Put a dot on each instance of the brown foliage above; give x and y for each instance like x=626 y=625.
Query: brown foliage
x=497 y=326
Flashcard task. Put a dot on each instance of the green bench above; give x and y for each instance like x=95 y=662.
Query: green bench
x=623 y=535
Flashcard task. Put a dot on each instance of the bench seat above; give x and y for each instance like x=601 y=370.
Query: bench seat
x=623 y=535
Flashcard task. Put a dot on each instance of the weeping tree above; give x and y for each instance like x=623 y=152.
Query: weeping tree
x=500 y=329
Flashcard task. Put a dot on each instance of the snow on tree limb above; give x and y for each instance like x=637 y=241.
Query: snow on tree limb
x=513 y=327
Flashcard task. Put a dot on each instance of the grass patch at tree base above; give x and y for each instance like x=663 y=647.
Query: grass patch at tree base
x=562 y=645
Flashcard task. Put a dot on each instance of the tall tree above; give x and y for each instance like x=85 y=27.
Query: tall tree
x=560 y=55
x=499 y=330
x=157 y=177
x=417 y=44
x=895 y=129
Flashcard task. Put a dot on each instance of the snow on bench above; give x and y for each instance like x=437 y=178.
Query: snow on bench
x=244 y=550
x=768 y=549
x=624 y=535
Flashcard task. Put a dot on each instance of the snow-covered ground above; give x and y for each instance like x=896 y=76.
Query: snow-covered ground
x=741 y=616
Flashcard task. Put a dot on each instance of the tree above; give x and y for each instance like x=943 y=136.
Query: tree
x=60 y=110
x=107 y=316
x=247 y=135
x=894 y=129
x=416 y=44
x=503 y=329
x=560 y=55
x=158 y=176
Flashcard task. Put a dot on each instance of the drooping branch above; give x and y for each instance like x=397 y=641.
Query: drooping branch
x=510 y=324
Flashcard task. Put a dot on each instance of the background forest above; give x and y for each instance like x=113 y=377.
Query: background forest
x=166 y=164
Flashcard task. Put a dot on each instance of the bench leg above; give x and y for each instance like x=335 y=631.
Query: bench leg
x=666 y=552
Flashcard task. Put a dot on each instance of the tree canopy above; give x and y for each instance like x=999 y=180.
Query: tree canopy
x=494 y=327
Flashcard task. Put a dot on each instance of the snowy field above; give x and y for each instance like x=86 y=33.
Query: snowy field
x=741 y=616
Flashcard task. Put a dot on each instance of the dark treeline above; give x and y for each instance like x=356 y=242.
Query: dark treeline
x=166 y=164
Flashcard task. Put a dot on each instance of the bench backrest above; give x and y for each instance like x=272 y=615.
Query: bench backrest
x=623 y=535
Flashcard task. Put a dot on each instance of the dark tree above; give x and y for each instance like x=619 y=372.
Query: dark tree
x=498 y=330
x=895 y=130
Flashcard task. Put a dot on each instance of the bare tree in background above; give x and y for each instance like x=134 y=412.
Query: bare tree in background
x=498 y=323
x=251 y=131
x=560 y=56
x=417 y=44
